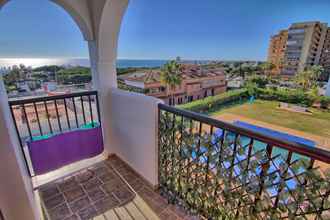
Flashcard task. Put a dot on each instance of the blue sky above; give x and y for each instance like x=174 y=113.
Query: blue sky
x=159 y=29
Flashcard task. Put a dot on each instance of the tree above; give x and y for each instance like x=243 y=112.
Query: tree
x=12 y=76
x=308 y=78
x=74 y=75
x=267 y=67
x=259 y=81
x=170 y=76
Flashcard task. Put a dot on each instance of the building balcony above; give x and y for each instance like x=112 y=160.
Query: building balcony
x=112 y=154
x=160 y=162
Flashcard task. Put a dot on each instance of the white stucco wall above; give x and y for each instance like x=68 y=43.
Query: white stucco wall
x=99 y=22
x=134 y=131
x=16 y=193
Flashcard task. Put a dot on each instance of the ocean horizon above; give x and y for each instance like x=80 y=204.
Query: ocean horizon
x=121 y=63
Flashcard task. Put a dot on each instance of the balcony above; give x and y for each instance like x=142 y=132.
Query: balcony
x=73 y=180
x=112 y=154
x=203 y=168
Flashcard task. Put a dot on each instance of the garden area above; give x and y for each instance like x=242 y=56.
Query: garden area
x=263 y=110
x=318 y=122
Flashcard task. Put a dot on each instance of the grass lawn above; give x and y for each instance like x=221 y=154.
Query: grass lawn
x=266 y=111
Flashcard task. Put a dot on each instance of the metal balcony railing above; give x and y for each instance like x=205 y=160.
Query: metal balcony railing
x=36 y=118
x=222 y=171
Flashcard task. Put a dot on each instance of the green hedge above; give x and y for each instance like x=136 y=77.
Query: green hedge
x=325 y=102
x=213 y=102
x=293 y=96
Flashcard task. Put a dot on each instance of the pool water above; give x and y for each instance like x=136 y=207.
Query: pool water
x=276 y=134
x=279 y=155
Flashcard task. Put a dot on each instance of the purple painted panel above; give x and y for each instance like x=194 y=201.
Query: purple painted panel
x=62 y=149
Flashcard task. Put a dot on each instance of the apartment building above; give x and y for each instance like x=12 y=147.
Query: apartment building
x=196 y=83
x=306 y=44
x=325 y=56
x=276 y=51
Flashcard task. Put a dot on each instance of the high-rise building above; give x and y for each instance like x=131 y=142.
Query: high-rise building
x=304 y=44
x=325 y=57
x=276 y=51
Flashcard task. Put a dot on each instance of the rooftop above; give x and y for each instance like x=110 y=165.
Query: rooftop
x=189 y=71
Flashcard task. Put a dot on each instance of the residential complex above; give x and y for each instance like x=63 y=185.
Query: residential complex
x=303 y=44
x=196 y=83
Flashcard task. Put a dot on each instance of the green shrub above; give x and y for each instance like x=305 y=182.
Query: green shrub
x=294 y=96
x=325 y=102
x=213 y=102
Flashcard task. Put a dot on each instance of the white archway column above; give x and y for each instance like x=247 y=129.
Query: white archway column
x=17 y=199
x=103 y=58
x=93 y=58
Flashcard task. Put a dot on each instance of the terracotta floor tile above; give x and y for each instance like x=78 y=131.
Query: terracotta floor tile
x=100 y=170
x=87 y=213
x=54 y=201
x=85 y=176
x=124 y=194
x=106 y=204
x=72 y=217
x=96 y=194
x=106 y=177
x=49 y=191
x=68 y=184
x=168 y=215
x=74 y=194
x=92 y=183
x=112 y=185
x=80 y=204
x=136 y=184
x=60 y=212
x=99 y=189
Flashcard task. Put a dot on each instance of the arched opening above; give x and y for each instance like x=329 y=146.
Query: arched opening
x=60 y=111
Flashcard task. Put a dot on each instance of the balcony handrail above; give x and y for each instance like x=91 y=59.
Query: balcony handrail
x=50 y=98
x=313 y=152
x=46 y=125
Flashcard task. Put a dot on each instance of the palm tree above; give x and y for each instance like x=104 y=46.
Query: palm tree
x=170 y=76
x=308 y=78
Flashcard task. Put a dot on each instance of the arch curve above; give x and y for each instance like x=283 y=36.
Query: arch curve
x=80 y=14
x=77 y=11
x=109 y=27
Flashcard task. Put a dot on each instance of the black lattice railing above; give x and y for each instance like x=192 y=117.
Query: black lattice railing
x=39 y=117
x=221 y=171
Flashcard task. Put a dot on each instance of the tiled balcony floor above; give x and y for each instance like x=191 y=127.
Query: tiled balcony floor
x=107 y=190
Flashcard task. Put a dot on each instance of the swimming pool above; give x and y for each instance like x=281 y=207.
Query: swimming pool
x=279 y=155
x=275 y=134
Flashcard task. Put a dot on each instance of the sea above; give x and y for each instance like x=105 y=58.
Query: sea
x=121 y=63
